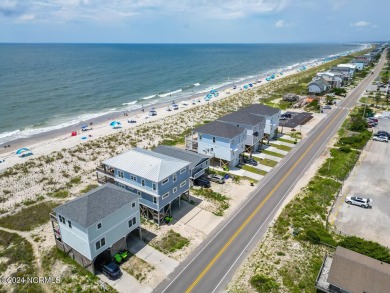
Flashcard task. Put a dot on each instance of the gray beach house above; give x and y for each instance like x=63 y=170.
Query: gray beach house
x=158 y=179
x=198 y=162
x=95 y=226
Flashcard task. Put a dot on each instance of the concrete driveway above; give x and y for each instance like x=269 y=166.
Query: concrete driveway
x=370 y=179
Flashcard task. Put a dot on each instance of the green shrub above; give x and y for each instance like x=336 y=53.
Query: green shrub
x=264 y=284
x=369 y=248
x=345 y=149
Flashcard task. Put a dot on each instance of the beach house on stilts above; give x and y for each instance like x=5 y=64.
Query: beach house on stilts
x=222 y=141
x=253 y=124
x=94 y=227
x=158 y=179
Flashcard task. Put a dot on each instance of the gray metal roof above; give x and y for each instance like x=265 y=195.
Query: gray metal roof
x=259 y=109
x=96 y=204
x=220 y=129
x=356 y=272
x=240 y=117
x=193 y=158
x=146 y=164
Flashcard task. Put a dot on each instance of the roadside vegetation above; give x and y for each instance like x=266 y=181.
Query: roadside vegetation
x=221 y=201
x=137 y=267
x=170 y=242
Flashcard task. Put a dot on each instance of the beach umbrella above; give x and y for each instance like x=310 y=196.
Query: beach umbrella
x=213 y=91
x=245 y=86
x=23 y=151
x=115 y=124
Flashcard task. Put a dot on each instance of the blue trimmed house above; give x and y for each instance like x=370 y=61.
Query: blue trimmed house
x=156 y=178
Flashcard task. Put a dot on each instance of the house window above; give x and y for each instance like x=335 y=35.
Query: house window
x=174 y=177
x=62 y=219
x=133 y=205
x=138 y=192
x=155 y=200
x=99 y=226
x=100 y=243
x=182 y=170
x=165 y=195
x=174 y=190
x=132 y=177
x=154 y=186
x=213 y=139
x=143 y=182
x=132 y=222
x=165 y=181
x=70 y=224
x=212 y=149
x=120 y=174
x=183 y=183
x=200 y=137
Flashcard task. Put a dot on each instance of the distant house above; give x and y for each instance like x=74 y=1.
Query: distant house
x=253 y=124
x=366 y=59
x=95 y=226
x=343 y=74
x=318 y=86
x=351 y=68
x=351 y=272
x=334 y=79
x=223 y=141
x=359 y=64
x=271 y=115
x=158 y=179
x=198 y=162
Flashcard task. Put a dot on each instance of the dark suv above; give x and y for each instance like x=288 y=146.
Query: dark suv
x=202 y=182
x=382 y=133
x=111 y=271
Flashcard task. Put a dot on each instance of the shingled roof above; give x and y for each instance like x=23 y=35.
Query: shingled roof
x=220 y=129
x=192 y=157
x=95 y=205
x=260 y=110
x=356 y=272
x=241 y=117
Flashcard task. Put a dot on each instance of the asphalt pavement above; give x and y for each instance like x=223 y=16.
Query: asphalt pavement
x=213 y=263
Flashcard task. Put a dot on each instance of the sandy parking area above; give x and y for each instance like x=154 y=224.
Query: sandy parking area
x=369 y=179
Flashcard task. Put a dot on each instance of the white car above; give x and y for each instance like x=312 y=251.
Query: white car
x=381 y=138
x=359 y=201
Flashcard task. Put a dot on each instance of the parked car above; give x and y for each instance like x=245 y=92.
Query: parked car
x=286 y=115
x=373 y=119
x=359 y=201
x=381 y=138
x=203 y=182
x=216 y=178
x=111 y=271
x=326 y=107
x=382 y=133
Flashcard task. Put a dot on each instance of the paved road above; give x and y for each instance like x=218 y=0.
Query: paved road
x=214 y=262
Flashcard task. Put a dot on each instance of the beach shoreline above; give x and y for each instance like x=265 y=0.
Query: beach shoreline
x=55 y=140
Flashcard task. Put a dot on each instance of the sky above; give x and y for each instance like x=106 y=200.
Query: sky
x=194 y=21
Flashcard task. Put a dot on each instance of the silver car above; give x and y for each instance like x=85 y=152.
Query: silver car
x=216 y=178
x=359 y=201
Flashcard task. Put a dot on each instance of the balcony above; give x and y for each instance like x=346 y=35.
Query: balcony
x=105 y=170
x=105 y=179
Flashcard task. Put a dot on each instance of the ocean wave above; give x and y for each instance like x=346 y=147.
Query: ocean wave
x=197 y=84
x=170 y=93
x=149 y=97
x=129 y=103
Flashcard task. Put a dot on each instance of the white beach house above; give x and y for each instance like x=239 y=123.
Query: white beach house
x=222 y=141
x=94 y=227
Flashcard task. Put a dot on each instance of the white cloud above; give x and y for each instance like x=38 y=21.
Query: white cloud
x=282 y=23
x=360 y=23
x=26 y=17
x=104 y=10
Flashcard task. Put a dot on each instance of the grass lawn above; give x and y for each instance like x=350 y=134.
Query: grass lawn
x=281 y=147
x=266 y=162
x=286 y=140
x=17 y=252
x=272 y=154
x=254 y=170
x=29 y=218
x=170 y=242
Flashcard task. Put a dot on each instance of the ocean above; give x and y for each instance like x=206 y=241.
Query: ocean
x=50 y=86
